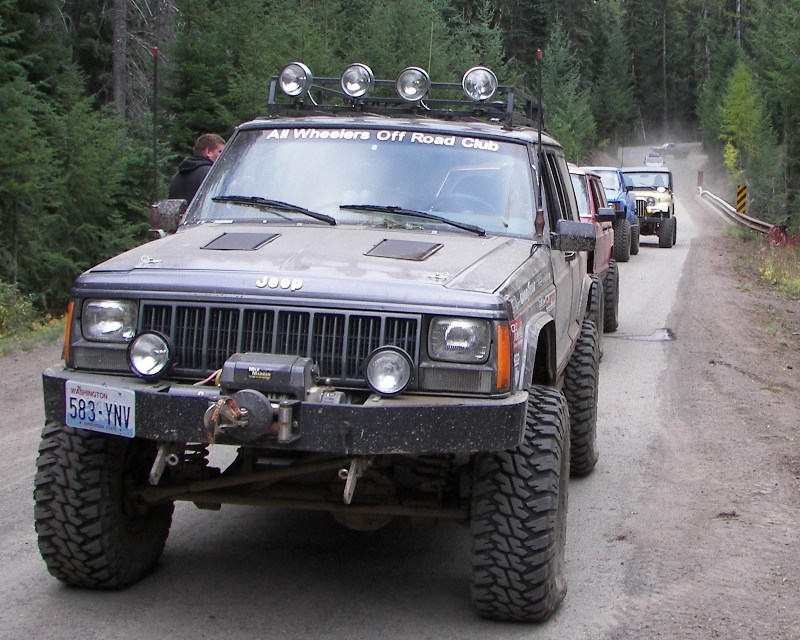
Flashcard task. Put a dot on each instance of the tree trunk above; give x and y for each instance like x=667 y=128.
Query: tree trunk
x=119 y=69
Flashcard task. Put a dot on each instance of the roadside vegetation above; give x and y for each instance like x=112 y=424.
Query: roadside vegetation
x=777 y=267
x=22 y=325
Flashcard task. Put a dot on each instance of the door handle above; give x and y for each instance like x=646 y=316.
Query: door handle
x=569 y=256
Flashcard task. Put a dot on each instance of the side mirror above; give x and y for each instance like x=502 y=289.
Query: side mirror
x=573 y=236
x=606 y=214
x=165 y=216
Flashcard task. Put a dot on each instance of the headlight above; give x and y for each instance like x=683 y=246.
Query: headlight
x=651 y=201
x=357 y=80
x=479 y=83
x=150 y=355
x=295 y=79
x=459 y=340
x=413 y=84
x=108 y=320
x=388 y=370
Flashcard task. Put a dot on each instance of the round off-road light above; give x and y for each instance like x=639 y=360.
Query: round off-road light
x=357 y=80
x=150 y=355
x=413 y=84
x=479 y=83
x=295 y=79
x=388 y=370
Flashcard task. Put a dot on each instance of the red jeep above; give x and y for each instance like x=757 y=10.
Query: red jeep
x=593 y=207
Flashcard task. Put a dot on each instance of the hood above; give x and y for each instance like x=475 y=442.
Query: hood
x=355 y=263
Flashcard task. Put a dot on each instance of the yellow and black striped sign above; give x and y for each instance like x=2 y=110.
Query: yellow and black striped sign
x=741 y=199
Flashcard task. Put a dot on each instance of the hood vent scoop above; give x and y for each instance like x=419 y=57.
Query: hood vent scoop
x=404 y=250
x=240 y=241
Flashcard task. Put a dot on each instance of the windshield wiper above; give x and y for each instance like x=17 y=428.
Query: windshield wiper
x=258 y=201
x=414 y=213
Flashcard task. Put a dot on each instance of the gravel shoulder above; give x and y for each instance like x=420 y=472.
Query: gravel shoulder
x=716 y=542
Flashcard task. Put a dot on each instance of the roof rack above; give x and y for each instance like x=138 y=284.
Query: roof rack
x=507 y=105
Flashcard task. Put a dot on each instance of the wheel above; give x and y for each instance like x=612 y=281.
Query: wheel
x=597 y=308
x=519 y=517
x=91 y=531
x=674 y=231
x=611 y=294
x=635 y=234
x=666 y=233
x=622 y=241
x=459 y=202
x=580 y=389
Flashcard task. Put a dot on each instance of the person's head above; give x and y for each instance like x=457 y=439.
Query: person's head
x=209 y=145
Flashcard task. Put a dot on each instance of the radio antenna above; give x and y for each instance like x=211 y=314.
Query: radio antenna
x=539 y=221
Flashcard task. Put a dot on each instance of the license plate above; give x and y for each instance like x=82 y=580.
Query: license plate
x=98 y=408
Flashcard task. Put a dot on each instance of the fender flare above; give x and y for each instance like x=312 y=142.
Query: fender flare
x=538 y=352
x=586 y=297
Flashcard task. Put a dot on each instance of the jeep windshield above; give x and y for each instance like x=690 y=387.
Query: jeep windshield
x=610 y=180
x=648 y=179
x=375 y=177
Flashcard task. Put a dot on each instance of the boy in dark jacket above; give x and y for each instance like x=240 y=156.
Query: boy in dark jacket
x=194 y=168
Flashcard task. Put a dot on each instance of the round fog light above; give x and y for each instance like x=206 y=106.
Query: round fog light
x=479 y=83
x=150 y=355
x=295 y=79
x=357 y=80
x=413 y=84
x=388 y=370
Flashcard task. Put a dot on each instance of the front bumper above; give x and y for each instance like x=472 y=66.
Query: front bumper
x=412 y=424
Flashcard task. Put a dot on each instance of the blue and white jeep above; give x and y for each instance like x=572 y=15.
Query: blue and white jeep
x=626 y=226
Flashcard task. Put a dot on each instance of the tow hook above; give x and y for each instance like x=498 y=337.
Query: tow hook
x=357 y=469
x=167 y=455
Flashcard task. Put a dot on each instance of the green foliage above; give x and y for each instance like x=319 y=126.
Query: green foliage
x=526 y=24
x=712 y=92
x=28 y=183
x=612 y=89
x=775 y=42
x=751 y=152
x=569 y=114
x=17 y=311
x=97 y=214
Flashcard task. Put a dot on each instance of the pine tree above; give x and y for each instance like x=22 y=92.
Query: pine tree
x=569 y=114
x=775 y=42
x=612 y=92
x=749 y=142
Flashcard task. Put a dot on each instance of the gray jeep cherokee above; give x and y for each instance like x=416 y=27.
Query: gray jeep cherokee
x=378 y=302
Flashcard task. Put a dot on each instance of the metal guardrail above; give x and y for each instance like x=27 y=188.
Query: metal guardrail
x=731 y=214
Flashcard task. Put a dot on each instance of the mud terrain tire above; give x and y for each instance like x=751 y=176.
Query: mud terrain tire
x=91 y=531
x=622 y=241
x=580 y=388
x=611 y=294
x=597 y=307
x=635 y=237
x=667 y=232
x=519 y=517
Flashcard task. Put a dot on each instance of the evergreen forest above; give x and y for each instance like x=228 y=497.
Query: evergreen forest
x=100 y=99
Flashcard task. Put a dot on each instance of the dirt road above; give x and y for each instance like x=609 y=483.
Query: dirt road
x=688 y=528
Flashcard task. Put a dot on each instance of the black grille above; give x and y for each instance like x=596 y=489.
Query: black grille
x=641 y=207
x=339 y=342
